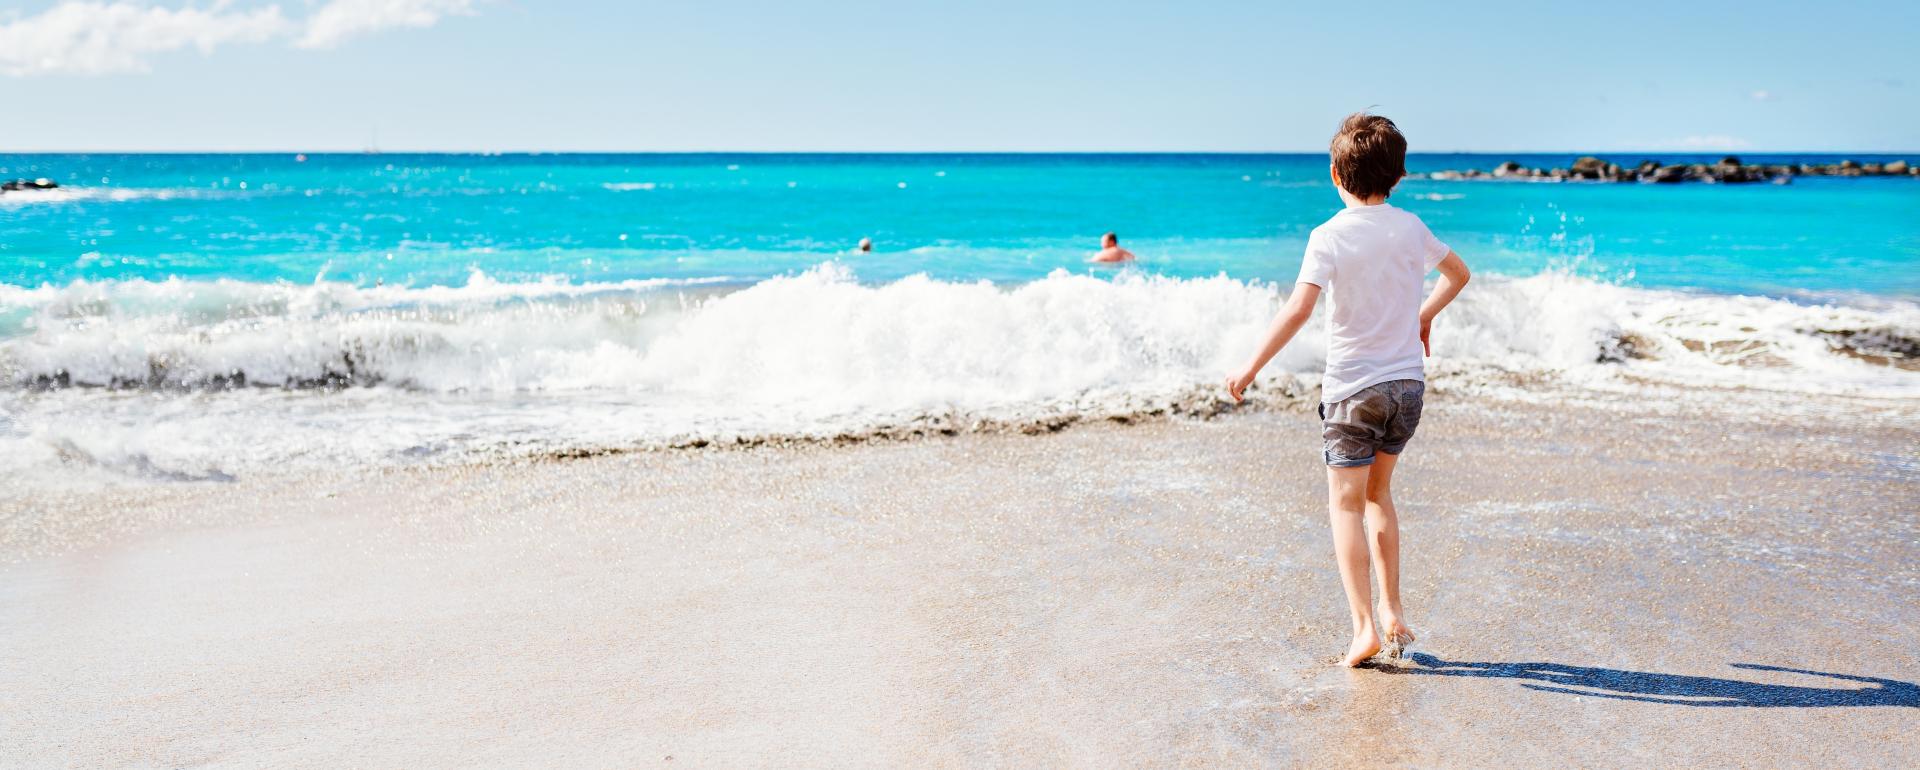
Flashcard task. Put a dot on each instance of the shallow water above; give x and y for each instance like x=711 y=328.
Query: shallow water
x=199 y=316
x=424 y=220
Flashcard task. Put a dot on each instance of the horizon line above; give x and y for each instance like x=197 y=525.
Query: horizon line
x=376 y=152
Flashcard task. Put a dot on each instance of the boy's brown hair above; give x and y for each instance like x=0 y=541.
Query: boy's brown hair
x=1369 y=154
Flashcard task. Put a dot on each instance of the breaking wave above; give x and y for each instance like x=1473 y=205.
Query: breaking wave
x=918 y=342
x=284 y=370
x=17 y=198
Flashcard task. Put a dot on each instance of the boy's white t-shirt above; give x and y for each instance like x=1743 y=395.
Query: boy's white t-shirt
x=1371 y=262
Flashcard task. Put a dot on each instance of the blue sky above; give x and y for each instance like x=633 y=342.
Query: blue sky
x=1023 y=75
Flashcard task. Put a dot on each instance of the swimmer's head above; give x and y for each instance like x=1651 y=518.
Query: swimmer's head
x=866 y=244
x=1109 y=241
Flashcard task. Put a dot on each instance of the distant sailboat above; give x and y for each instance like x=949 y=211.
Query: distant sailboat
x=373 y=142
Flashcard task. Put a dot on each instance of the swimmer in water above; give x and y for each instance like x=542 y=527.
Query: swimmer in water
x=866 y=245
x=1110 y=250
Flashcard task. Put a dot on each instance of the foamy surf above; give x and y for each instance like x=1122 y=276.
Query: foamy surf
x=207 y=380
x=19 y=198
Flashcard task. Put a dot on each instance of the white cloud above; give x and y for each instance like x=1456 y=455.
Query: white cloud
x=342 y=19
x=1763 y=95
x=100 y=37
x=95 y=38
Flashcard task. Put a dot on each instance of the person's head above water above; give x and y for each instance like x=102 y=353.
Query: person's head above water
x=1369 y=156
x=866 y=244
x=1110 y=250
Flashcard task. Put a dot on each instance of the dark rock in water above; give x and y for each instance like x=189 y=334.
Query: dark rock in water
x=42 y=183
x=1588 y=167
x=1670 y=174
x=1729 y=170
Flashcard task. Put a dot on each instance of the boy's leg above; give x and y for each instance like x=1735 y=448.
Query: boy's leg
x=1383 y=537
x=1346 y=510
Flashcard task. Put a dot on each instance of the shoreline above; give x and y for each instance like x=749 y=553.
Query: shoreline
x=29 y=527
x=1105 y=594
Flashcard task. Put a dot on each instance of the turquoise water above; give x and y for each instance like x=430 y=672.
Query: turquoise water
x=204 y=317
x=433 y=219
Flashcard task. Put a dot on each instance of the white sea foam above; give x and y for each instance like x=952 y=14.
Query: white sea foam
x=245 y=375
x=18 y=198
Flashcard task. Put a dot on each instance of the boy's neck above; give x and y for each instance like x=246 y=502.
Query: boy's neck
x=1354 y=203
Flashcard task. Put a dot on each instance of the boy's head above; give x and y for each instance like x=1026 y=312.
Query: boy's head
x=1109 y=240
x=1369 y=156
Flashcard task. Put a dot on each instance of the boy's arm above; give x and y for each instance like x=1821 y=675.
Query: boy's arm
x=1453 y=278
x=1292 y=316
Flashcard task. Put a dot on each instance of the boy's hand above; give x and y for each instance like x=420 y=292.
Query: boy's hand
x=1237 y=385
x=1453 y=278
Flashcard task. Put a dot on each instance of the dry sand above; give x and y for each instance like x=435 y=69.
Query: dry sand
x=1591 y=588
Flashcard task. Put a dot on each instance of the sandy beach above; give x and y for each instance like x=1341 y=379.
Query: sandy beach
x=1592 y=588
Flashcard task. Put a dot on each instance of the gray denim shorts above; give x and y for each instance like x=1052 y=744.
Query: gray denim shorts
x=1380 y=418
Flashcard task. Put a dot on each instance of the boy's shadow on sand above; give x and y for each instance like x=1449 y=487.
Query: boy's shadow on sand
x=1674 y=688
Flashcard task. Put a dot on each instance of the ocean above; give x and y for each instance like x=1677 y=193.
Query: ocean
x=203 y=317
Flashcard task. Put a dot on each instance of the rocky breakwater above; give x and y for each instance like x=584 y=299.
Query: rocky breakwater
x=28 y=184
x=1728 y=171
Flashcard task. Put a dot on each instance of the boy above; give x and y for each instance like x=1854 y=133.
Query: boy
x=1370 y=259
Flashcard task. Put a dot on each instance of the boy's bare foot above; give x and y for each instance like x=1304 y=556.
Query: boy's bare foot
x=1397 y=636
x=1365 y=645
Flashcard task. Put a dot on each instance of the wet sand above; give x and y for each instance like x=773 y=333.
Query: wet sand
x=1593 y=587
